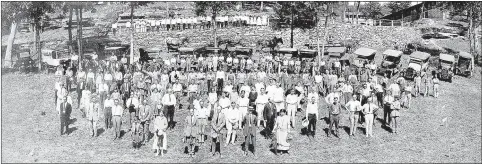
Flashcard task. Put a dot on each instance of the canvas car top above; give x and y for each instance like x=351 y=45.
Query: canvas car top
x=365 y=52
x=465 y=54
x=447 y=57
x=287 y=50
x=420 y=55
x=186 y=49
x=336 y=49
x=393 y=53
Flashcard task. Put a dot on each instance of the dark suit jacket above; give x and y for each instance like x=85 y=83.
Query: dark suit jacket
x=250 y=130
x=65 y=108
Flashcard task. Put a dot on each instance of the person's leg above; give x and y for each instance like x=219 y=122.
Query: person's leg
x=337 y=122
x=253 y=142
x=171 y=116
x=385 y=114
x=395 y=122
x=369 y=122
x=94 y=127
x=331 y=125
x=213 y=145
x=61 y=124
x=235 y=129
x=229 y=127
x=246 y=144
x=352 y=123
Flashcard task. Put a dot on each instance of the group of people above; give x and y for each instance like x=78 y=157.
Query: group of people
x=223 y=98
x=200 y=22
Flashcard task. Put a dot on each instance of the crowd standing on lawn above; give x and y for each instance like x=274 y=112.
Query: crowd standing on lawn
x=230 y=97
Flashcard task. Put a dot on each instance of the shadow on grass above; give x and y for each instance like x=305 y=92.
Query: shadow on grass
x=70 y=130
x=100 y=131
x=122 y=133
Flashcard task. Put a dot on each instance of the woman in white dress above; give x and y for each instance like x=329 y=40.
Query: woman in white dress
x=282 y=128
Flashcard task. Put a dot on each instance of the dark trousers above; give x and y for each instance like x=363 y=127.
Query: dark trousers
x=379 y=98
x=117 y=125
x=311 y=124
x=215 y=143
x=169 y=113
x=145 y=131
x=64 y=123
x=108 y=117
x=386 y=114
x=220 y=84
x=334 y=119
x=250 y=140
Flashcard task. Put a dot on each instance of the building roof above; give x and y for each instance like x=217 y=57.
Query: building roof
x=420 y=55
x=393 y=53
x=447 y=57
x=365 y=52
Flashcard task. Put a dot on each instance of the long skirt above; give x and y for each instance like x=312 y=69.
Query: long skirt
x=160 y=140
x=281 y=138
x=260 y=110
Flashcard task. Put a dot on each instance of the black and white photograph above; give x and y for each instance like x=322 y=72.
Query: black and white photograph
x=241 y=81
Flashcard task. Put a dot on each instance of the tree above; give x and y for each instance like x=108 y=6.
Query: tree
x=134 y=4
x=203 y=8
x=396 y=6
x=36 y=10
x=13 y=12
x=372 y=10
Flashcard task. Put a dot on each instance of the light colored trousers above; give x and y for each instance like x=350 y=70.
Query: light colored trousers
x=160 y=138
x=369 y=124
x=291 y=109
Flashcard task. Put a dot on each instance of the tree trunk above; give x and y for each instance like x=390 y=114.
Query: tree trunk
x=421 y=13
x=37 y=44
x=214 y=28
x=70 y=29
x=291 y=22
x=11 y=38
x=131 y=57
x=79 y=34
x=470 y=30
x=357 y=11
x=261 y=7
x=324 y=36
x=344 y=12
x=318 y=40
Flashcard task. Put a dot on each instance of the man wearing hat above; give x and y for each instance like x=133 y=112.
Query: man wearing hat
x=93 y=110
x=249 y=130
x=368 y=110
x=160 y=135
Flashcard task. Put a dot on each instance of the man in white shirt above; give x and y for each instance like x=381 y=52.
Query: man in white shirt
x=387 y=102
x=354 y=107
x=278 y=97
x=347 y=91
x=169 y=102
x=224 y=101
x=368 y=110
x=243 y=103
x=271 y=88
x=292 y=106
x=220 y=78
x=202 y=115
x=395 y=89
x=233 y=122
x=261 y=101
x=108 y=106
x=312 y=115
x=117 y=112
x=133 y=105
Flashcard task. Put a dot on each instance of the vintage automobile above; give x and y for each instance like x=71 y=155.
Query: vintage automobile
x=390 y=63
x=446 y=67
x=243 y=51
x=89 y=53
x=418 y=63
x=335 y=54
x=51 y=60
x=186 y=51
x=24 y=63
x=287 y=52
x=465 y=64
x=364 y=56
x=307 y=54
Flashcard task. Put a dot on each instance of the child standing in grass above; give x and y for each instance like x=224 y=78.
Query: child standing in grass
x=435 y=82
